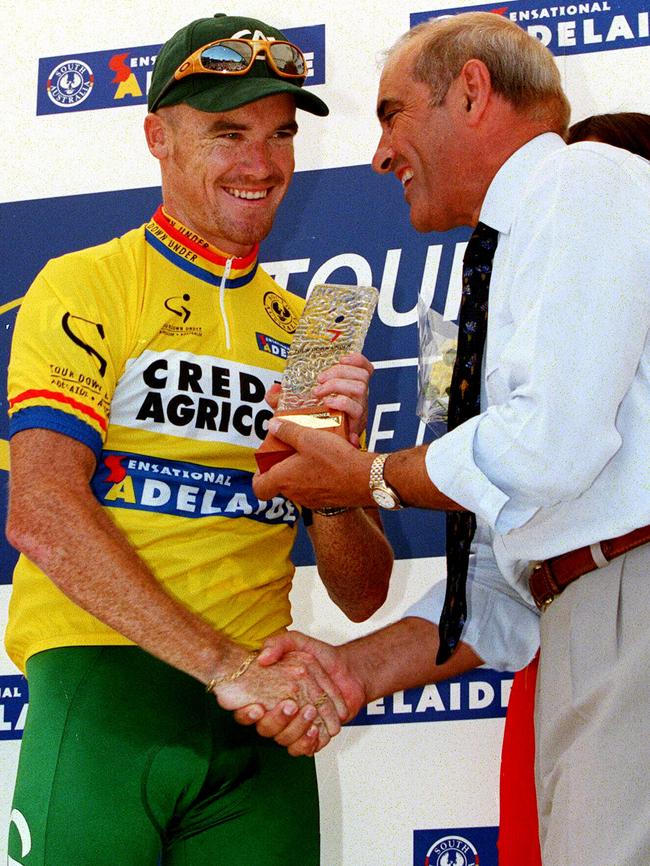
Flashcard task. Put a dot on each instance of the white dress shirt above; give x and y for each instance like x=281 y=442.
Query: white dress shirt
x=560 y=455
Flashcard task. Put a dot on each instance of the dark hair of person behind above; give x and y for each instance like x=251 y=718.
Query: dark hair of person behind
x=626 y=129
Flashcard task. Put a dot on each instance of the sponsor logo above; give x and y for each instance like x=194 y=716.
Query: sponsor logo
x=176 y=305
x=13 y=706
x=571 y=28
x=467 y=846
x=24 y=834
x=481 y=694
x=70 y=83
x=194 y=396
x=316 y=331
x=82 y=388
x=272 y=347
x=280 y=313
x=179 y=306
x=122 y=76
x=125 y=78
x=135 y=481
x=73 y=326
x=452 y=851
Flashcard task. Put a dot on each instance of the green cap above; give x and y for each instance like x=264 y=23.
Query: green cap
x=209 y=92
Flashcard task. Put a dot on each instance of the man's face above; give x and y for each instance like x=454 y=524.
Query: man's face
x=224 y=174
x=423 y=146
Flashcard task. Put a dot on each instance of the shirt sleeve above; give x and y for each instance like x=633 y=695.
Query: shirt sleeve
x=580 y=312
x=501 y=628
x=62 y=373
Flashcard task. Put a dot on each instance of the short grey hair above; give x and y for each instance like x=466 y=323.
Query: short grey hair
x=522 y=70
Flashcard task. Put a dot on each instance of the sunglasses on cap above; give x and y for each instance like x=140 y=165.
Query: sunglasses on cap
x=236 y=57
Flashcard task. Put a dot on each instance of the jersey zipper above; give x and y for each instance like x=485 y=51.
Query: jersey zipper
x=222 y=301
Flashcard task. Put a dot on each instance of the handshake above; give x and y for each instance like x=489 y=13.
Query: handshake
x=297 y=690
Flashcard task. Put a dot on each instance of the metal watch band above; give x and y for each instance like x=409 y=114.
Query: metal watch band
x=382 y=493
x=377 y=471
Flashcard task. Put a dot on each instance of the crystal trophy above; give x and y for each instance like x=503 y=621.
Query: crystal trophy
x=334 y=323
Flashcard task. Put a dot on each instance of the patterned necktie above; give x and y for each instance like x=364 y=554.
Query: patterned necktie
x=464 y=403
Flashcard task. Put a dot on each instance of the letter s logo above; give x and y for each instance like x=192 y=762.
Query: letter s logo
x=119 y=67
x=19 y=820
x=65 y=322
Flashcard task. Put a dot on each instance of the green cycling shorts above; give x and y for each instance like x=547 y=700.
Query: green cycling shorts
x=126 y=761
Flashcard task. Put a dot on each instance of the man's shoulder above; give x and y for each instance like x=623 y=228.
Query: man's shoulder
x=564 y=176
x=596 y=161
x=103 y=255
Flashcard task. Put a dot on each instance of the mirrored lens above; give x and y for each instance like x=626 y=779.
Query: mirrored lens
x=287 y=58
x=227 y=56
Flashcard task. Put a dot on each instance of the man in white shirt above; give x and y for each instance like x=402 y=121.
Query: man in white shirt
x=472 y=113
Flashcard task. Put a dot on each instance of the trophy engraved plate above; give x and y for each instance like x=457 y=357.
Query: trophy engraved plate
x=334 y=323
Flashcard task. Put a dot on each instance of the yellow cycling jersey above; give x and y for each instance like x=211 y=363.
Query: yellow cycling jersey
x=155 y=350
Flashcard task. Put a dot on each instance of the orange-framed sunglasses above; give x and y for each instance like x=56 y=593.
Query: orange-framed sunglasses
x=236 y=57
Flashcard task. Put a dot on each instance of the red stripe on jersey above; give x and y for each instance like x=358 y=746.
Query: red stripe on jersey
x=60 y=398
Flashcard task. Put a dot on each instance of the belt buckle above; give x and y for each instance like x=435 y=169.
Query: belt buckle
x=548 y=599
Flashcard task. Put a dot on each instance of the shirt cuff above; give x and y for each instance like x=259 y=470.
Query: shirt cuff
x=47 y=418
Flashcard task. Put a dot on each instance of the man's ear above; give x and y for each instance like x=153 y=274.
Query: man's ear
x=157 y=134
x=477 y=87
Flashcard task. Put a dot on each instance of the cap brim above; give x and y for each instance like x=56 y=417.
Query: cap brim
x=220 y=94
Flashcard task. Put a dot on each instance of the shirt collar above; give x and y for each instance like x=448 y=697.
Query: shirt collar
x=506 y=186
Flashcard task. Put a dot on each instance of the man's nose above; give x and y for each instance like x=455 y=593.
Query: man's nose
x=258 y=159
x=382 y=161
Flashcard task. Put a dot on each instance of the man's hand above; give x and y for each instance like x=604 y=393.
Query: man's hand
x=325 y=470
x=397 y=657
x=291 y=730
x=298 y=687
x=343 y=387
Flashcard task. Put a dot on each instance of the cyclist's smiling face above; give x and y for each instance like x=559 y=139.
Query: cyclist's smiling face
x=224 y=174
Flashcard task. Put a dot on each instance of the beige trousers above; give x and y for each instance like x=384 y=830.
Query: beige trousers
x=592 y=719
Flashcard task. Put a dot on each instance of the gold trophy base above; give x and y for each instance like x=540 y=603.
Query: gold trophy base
x=274 y=450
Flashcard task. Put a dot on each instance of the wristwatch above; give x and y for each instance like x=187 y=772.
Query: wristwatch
x=382 y=493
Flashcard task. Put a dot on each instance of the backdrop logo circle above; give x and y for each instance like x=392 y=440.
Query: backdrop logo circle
x=452 y=851
x=69 y=83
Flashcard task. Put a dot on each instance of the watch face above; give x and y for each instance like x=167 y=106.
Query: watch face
x=383 y=498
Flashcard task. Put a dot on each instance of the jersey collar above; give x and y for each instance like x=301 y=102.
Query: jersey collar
x=189 y=251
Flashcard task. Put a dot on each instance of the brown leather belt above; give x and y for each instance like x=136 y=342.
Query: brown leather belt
x=550 y=577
